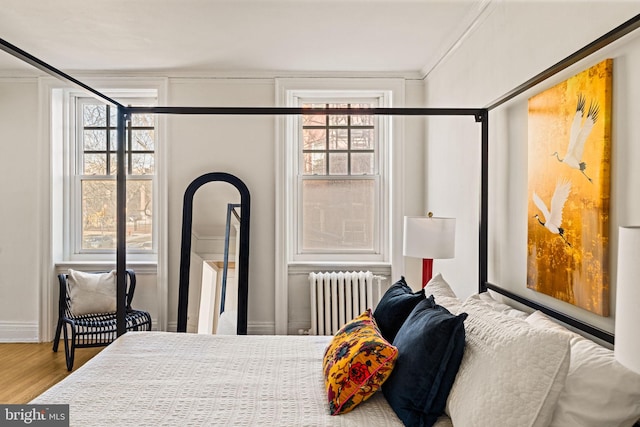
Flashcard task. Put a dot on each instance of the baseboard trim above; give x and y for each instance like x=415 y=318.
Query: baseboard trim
x=172 y=326
x=19 y=332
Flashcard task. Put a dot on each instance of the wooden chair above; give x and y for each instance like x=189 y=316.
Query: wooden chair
x=94 y=330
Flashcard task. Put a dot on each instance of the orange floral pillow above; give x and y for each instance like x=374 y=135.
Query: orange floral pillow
x=356 y=363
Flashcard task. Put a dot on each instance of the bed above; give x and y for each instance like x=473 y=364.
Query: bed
x=517 y=369
x=171 y=379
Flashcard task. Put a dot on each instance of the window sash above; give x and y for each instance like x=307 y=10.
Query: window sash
x=104 y=243
x=83 y=230
x=336 y=141
x=134 y=127
x=340 y=216
x=374 y=251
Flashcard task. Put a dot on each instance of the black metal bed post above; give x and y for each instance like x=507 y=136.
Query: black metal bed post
x=121 y=222
x=256 y=111
x=483 y=252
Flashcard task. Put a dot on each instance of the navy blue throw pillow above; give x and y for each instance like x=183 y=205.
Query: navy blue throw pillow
x=430 y=347
x=395 y=306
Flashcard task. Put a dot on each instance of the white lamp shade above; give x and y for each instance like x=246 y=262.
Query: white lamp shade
x=429 y=238
x=627 y=341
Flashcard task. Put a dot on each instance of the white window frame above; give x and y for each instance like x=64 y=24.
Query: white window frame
x=74 y=230
x=71 y=238
x=284 y=182
x=379 y=253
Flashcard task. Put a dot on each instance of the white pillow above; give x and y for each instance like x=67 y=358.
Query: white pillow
x=91 y=293
x=442 y=293
x=501 y=307
x=599 y=391
x=511 y=373
x=540 y=320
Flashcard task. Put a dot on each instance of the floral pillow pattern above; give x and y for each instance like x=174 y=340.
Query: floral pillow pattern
x=356 y=363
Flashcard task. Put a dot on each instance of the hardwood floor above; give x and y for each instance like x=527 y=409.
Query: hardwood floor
x=26 y=370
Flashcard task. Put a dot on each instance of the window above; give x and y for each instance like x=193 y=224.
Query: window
x=93 y=187
x=340 y=190
x=339 y=182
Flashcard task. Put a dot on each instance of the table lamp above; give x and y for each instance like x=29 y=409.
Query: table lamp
x=429 y=238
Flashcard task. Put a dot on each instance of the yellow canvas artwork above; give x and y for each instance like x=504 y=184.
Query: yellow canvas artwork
x=569 y=146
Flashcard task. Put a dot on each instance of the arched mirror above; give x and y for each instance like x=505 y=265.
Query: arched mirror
x=214 y=256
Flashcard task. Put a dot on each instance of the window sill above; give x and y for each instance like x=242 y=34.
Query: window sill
x=140 y=267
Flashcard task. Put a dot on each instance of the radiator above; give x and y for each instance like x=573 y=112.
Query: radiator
x=337 y=297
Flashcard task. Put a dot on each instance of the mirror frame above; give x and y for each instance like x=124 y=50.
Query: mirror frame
x=243 y=253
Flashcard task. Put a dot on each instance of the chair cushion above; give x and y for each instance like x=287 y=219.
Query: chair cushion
x=91 y=293
x=430 y=347
x=395 y=306
x=356 y=363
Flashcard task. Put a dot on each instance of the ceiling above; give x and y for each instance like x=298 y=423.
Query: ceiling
x=238 y=37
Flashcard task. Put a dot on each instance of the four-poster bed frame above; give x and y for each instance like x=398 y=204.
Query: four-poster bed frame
x=481 y=115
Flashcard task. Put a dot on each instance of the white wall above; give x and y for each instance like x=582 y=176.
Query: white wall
x=19 y=206
x=516 y=41
x=243 y=146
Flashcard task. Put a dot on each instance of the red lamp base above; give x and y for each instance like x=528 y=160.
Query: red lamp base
x=427 y=271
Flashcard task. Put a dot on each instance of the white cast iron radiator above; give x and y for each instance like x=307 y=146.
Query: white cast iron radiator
x=338 y=297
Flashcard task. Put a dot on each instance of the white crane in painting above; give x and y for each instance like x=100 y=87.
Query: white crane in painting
x=553 y=217
x=579 y=134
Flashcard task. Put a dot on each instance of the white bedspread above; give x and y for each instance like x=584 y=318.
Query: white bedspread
x=170 y=379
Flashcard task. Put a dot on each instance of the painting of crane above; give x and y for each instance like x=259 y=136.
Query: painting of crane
x=569 y=148
x=553 y=216
x=579 y=133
